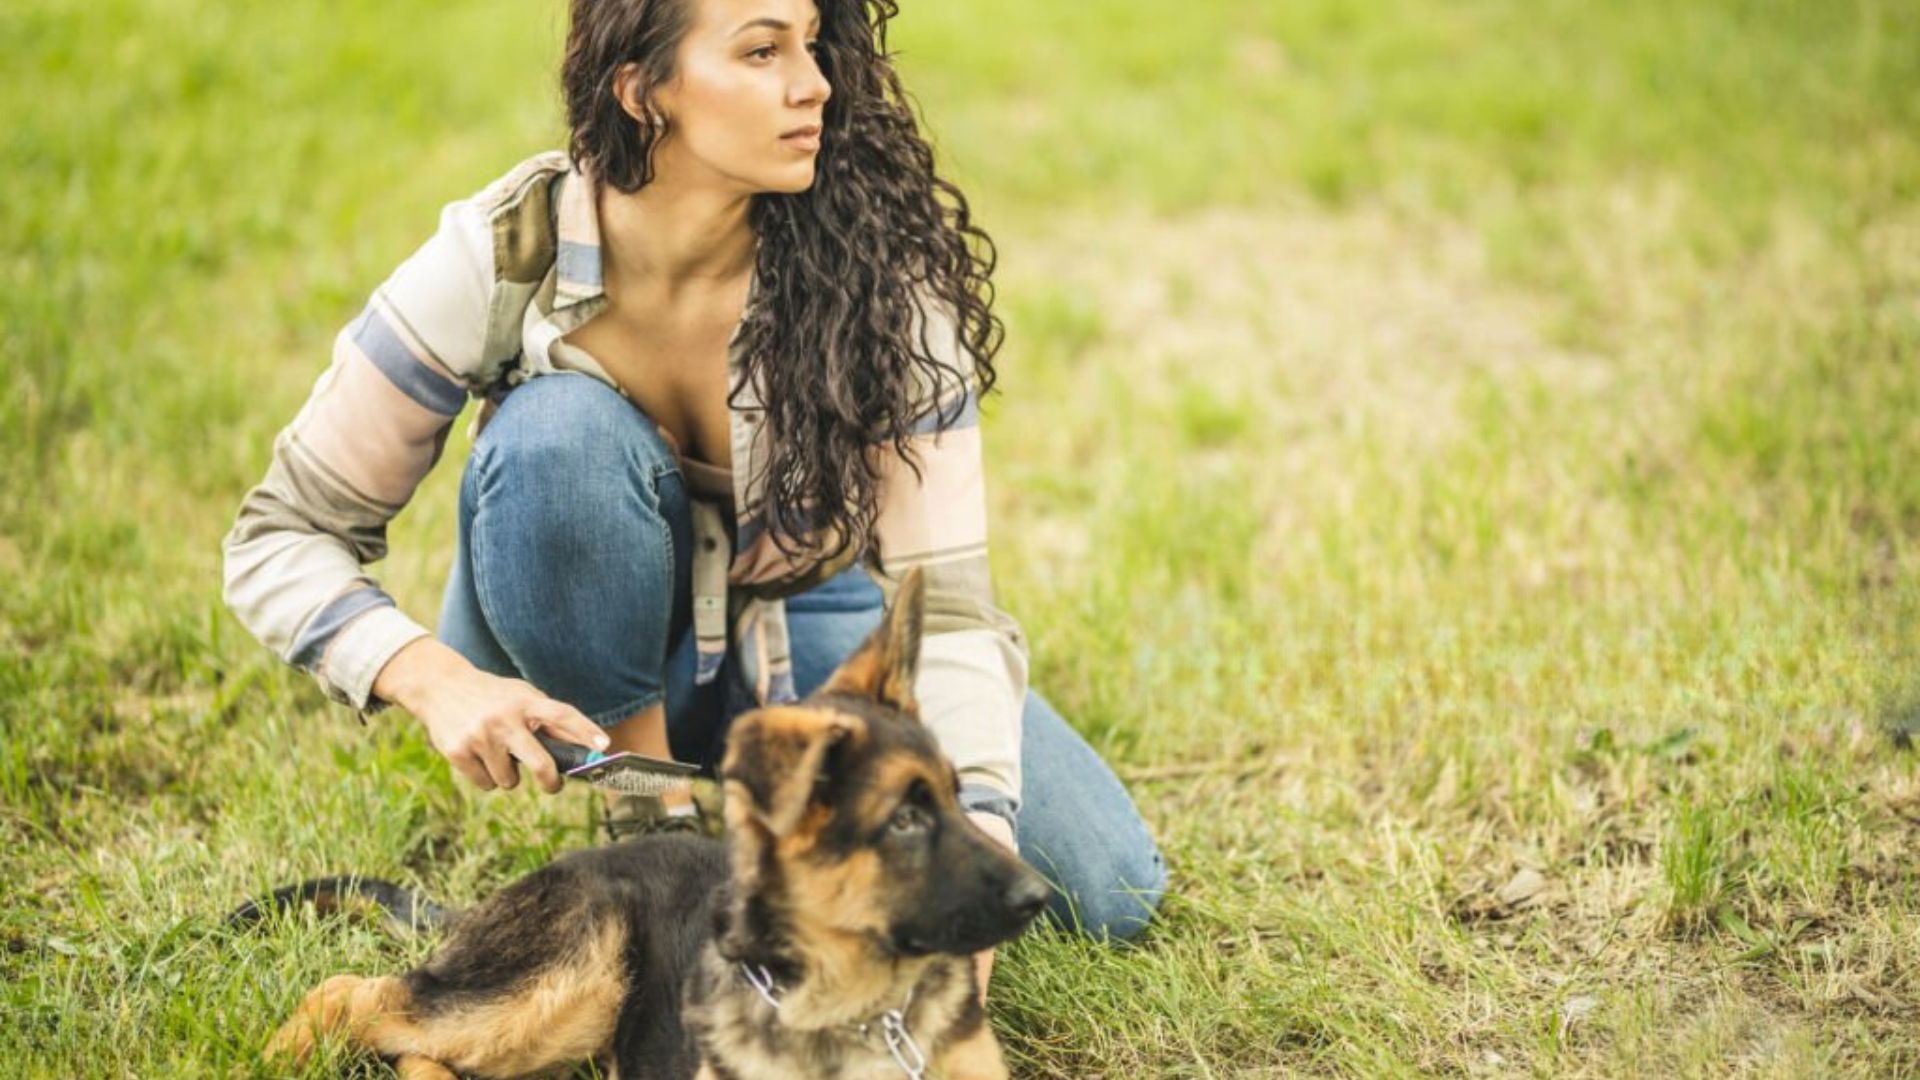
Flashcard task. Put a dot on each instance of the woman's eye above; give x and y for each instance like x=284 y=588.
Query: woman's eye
x=768 y=50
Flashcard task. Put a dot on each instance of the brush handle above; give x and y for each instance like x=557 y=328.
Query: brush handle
x=566 y=755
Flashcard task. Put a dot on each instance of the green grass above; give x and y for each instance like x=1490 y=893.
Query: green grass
x=1440 y=441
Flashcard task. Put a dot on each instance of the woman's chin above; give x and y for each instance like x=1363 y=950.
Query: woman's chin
x=792 y=181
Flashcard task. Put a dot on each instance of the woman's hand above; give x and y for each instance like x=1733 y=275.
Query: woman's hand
x=481 y=723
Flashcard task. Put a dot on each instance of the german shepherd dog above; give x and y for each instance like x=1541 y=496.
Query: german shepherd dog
x=830 y=934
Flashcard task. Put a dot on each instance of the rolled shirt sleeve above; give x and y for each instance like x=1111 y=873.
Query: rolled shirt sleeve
x=372 y=427
x=972 y=679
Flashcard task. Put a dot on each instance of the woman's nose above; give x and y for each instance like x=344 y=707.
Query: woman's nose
x=813 y=89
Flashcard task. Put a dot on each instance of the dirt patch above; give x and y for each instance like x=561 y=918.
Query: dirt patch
x=1299 y=359
x=1303 y=317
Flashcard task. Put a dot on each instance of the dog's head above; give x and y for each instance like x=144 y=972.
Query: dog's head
x=845 y=823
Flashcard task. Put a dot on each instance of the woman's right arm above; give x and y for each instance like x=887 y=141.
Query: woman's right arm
x=374 y=424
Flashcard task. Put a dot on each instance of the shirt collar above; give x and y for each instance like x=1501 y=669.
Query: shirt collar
x=577 y=255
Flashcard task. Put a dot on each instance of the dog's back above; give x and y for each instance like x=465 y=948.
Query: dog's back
x=619 y=925
x=580 y=956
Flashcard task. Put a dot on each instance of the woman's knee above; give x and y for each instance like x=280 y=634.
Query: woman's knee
x=1079 y=826
x=571 y=433
x=1117 y=899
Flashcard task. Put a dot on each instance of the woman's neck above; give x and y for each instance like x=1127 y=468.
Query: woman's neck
x=674 y=242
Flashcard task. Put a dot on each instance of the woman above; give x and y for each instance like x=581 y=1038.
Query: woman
x=731 y=347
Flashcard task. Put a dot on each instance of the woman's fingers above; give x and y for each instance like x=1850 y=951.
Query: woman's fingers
x=563 y=721
x=487 y=735
x=499 y=764
x=469 y=766
x=527 y=750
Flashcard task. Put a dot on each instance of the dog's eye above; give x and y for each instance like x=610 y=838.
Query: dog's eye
x=909 y=818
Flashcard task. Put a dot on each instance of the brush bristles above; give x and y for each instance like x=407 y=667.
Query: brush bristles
x=639 y=783
x=635 y=774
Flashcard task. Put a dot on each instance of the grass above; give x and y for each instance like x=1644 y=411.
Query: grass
x=1484 y=526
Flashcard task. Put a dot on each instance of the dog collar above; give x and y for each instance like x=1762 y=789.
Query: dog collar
x=892 y=1022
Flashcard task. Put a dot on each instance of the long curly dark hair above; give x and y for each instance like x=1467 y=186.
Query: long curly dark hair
x=847 y=270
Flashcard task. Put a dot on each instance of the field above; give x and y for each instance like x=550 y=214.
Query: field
x=1459 y=460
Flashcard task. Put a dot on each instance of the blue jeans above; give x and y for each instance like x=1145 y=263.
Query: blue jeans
x=574 y=573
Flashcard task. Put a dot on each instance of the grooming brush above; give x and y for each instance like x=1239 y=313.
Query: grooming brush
x=629 y=774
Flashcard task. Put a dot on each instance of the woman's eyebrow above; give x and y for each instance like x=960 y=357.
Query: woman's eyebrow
x=777 y=24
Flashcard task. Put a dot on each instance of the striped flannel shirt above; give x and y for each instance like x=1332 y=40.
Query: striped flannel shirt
x=480 y=308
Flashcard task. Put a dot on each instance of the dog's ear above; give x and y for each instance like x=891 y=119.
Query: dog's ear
x=775 y=757
x=884 y=666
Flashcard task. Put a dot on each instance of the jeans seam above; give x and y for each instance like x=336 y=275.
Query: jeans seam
x=666 y=534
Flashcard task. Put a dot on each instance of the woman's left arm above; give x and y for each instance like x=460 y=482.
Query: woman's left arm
x=972 y=680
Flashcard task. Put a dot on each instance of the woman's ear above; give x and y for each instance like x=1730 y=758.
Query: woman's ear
x=631 y=91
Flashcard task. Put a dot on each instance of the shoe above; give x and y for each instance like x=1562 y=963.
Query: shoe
x=627 y=816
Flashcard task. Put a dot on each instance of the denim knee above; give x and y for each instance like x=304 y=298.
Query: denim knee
x=570 y=468
x=1122 y=911
x=569 y=424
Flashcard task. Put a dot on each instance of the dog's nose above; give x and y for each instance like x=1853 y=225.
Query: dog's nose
x=1027 y=896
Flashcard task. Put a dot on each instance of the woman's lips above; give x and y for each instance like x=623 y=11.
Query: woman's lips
x=804 y=139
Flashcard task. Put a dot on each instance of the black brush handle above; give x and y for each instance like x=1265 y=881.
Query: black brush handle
x=566 y=755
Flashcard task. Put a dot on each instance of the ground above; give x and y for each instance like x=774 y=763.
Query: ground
x=1457 y=460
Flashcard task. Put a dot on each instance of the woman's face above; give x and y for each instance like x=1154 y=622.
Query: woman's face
x=746 y=76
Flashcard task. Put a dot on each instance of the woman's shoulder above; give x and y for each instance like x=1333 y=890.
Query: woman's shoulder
x=516 y=213
x=514 y=210
x=531 y=179
x=462 y=293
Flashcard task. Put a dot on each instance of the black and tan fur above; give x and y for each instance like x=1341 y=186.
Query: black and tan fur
x=849 y=872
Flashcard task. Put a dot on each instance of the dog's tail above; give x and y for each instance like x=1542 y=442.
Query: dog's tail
x=400 y=910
